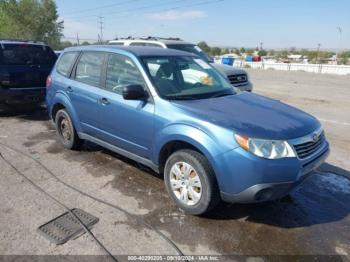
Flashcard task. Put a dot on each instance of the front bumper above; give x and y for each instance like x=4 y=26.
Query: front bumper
x=19 y=96
x=245 y=178
x=248 y=86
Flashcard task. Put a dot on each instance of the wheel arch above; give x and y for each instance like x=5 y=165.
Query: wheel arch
x=170 y=141
x=61 y=101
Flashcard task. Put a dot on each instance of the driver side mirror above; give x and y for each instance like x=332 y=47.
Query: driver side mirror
x=134 y=92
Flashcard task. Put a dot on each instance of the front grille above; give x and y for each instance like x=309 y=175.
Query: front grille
x=237 y=79
x=306 y=149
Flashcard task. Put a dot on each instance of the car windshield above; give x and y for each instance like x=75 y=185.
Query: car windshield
x=181 y=78
x=26 y=54
x=194 y=49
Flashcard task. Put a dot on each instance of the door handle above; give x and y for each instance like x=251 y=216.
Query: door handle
x=69 y=89
x=104 y=101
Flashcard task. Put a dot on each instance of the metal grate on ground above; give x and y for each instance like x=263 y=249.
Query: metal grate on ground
x=65 y=227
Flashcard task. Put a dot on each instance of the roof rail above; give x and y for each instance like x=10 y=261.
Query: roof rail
x=149 y=38
x=21 y=40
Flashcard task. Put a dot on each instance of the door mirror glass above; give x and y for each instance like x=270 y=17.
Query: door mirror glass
x=134 y=92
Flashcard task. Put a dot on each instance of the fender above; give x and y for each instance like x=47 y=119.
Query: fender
x=188 y=134
x=62 y=98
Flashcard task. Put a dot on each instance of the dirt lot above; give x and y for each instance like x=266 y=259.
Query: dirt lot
x=315 y=220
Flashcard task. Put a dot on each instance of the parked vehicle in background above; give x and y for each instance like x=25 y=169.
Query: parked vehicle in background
x=24 y=67
x=173 y=112
x=58 y=52
x=237 y=77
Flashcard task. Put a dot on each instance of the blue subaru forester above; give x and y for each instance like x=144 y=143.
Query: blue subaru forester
x=174 y=113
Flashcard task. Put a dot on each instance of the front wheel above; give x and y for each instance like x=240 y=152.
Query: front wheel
x=191 y=182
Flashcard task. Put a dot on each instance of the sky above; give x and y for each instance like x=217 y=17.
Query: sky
x=236 y=23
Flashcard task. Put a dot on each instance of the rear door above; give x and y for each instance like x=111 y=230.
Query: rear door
x=85 y=90
x=25 y=65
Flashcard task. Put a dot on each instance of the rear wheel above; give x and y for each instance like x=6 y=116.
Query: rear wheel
x=191 y=182
x=66 y=131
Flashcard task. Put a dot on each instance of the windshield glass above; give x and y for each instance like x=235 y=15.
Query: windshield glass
x=194 y=49
x=180 y=78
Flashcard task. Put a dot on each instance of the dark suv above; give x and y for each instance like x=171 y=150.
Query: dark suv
x=24 y=67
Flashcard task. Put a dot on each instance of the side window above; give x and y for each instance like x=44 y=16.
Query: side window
x=152 y=45
x=137 y=44
x=66 y=62
x=116 y=43
x=89 y=68
x=144 y=44
x=121 y=71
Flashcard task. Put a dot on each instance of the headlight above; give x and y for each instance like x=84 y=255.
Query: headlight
x=271 y=149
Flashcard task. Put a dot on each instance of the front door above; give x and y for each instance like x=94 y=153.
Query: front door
x=127 y=124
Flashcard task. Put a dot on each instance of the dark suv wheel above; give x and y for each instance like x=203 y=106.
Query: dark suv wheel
x=191 y=182
x=66 y=131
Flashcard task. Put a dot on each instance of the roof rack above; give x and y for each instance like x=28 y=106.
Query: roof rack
x=20 y=40
x=149 y=38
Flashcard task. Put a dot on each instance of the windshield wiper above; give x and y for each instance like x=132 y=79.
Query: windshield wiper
x=182 y=98
x=222 y=94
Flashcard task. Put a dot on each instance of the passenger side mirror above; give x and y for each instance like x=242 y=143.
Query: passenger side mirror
x=134 y=92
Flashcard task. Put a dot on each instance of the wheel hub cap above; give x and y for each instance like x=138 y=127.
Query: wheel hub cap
x=66 y=130
x=185 y=183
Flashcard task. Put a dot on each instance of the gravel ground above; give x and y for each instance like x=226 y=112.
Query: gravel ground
x=313 y=221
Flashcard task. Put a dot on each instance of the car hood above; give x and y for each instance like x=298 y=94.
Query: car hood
x=252 y=115
x=229 y=70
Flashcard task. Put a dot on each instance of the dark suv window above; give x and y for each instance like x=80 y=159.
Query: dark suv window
x=66 y=62
x=89 y=68
x=121 y=71
x=26 y=54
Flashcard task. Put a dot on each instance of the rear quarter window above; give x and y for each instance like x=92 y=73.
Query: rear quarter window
x=65 y=64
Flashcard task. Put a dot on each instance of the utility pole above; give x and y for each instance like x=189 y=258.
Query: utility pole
x=261 y=45
x=100 y=21
x=318 y=51
x=78 y=41
x=340 y=31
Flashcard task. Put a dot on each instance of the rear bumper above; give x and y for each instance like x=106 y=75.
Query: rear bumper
x=18 y=96
x=256 y=180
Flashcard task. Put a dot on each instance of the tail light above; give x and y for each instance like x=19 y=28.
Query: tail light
x=4 y=79
x=48 y=81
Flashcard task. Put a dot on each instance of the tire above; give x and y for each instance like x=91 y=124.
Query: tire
x=199 y=200
x=66 y=131
x=4 y=108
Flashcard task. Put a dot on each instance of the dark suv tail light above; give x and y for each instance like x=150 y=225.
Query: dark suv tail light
x=4 y=79
x=48 y=81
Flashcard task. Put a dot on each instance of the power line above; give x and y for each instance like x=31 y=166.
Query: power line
x=101 y=7
x=202 y=3
x=179 y=7
x=133 y=9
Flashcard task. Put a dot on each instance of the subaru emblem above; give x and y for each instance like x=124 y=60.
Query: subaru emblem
x=314 y=137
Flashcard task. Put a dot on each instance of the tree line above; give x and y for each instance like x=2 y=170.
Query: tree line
x=35 y=20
